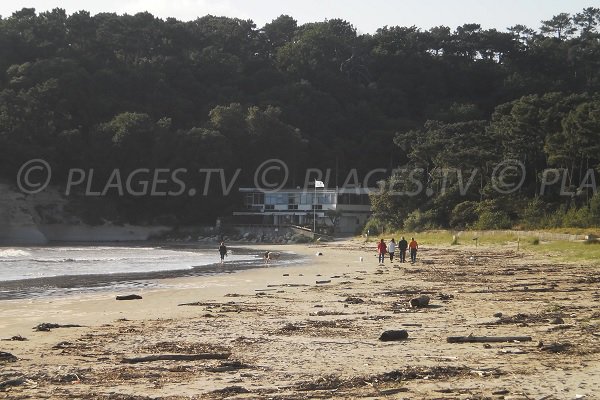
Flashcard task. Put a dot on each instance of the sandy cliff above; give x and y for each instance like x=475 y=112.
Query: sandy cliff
x=17 y=222
x=40 y=218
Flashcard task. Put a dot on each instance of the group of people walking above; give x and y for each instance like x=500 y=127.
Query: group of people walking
x=403 y=246
x=382 y=250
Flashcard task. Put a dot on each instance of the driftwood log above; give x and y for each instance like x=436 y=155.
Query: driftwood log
x=177 y=357
x=487 y=339
x=46 y=326
x=228 y=366
x=130 y=297
x=17 y=338
x=12 y=382
x=7 y=357
x=392 y=335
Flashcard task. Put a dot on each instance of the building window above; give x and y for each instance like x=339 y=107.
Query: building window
x=269 y=207
x=326 y=198
x=354 y=199
x=275 y=198
x=292 y=206
x=293 y=198
x=306 y=198
x=254 y=199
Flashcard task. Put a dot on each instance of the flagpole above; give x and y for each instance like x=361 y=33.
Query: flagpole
x=315 y=210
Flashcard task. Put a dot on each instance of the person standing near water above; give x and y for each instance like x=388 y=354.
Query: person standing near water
x=413 y=246
x=392 y=249
x=223 y=252
x=403 y=245
x=381 y=249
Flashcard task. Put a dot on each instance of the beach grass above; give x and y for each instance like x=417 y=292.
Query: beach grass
x=575 y=231
x=568 y=250
x=444 y=237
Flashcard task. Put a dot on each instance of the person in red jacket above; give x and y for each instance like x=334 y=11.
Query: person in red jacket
x=381 y=250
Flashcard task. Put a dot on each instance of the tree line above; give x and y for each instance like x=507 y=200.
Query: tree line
x=112 y=91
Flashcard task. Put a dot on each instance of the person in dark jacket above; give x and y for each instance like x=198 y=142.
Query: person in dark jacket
x=223 y=252
x=402 y=246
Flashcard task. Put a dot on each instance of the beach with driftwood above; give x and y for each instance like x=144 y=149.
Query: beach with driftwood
x=464 y=322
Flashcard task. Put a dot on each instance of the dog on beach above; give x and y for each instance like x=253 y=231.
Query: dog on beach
x=270 y=256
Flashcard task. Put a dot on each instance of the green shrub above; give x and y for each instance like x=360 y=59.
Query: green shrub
x=463 y=215
x=533 y=215
x=302 y=239
x=492 y=216
x=418 y=221
x=489 y=220
x=413 y=221
x=595 y=209
x=373 y=226
x=554 y=220
x=577 y=218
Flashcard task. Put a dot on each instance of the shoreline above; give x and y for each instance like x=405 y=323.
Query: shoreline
x=92 y=302
x=290 y=337
x=69 y=285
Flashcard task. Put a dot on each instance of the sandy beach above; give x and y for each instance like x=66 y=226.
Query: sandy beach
x=312 y=330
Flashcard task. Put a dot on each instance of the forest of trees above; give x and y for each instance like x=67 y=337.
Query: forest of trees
x=112 y=91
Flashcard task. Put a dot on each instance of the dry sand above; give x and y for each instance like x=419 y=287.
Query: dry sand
x=289 y=337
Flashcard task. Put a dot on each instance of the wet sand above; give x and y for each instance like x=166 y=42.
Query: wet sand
x=288 y=337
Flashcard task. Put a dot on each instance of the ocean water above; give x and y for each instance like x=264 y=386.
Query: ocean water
x=43 y=262
x=59 y=270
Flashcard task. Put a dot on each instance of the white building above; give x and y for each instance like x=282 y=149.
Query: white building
x=344 y=210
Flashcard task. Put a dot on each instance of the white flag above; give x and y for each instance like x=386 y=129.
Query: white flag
x=319 y=184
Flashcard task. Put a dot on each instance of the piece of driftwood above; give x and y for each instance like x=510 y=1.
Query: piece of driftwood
x=17 y=338
x=176 y=357
x=229 y=366
x=322 y=282
x=7 y=357
x=354 y=300
x=439 y=357
x=231 y=390
x=130 y=297
x=12 y=382
x=554 y=347
x=46 y=326
x=351 y=343
x=512 y=351
x=487 y=339
x=388 y=392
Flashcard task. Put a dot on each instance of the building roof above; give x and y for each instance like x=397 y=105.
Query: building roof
x=349 y=190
